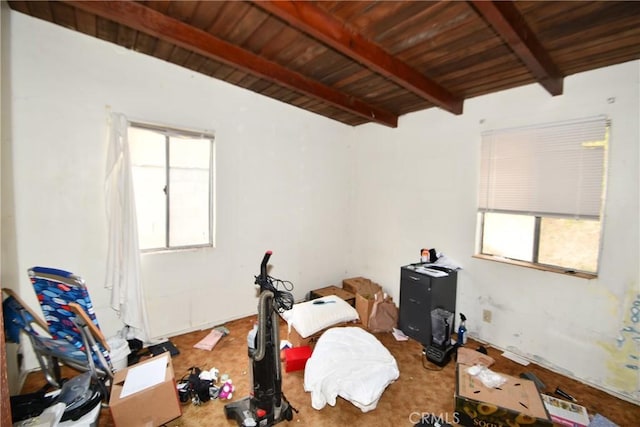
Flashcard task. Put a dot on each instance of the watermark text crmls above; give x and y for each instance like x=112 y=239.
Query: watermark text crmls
x=430 y=418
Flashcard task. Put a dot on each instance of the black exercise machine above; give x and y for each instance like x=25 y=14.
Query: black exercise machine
x=267 y=404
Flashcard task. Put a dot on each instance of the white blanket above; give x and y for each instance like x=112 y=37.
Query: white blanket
x=351 y=363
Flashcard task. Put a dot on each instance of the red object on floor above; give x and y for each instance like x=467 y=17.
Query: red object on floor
x=296 y=358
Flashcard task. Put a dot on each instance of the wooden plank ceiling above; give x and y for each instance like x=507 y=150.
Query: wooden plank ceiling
x=366 y=61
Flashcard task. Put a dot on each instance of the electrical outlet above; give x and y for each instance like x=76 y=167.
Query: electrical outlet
x=486 y=316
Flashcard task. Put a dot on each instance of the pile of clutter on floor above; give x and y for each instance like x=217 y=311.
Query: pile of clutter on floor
x=200 y=386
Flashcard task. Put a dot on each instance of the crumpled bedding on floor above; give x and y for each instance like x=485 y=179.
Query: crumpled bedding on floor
x=351 y=363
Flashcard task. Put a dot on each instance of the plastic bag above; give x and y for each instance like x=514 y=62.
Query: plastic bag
x=486 y=376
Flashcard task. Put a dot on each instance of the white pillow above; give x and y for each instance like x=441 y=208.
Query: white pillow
x=308 y=318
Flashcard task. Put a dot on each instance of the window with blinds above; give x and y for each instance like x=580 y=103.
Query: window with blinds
x=542 y=191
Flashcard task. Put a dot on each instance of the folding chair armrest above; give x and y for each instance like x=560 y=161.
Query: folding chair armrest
x=97 y=333
x=33 y=314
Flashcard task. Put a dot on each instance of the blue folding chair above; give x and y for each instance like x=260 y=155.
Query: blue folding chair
x=71 y=334
x=68 y=311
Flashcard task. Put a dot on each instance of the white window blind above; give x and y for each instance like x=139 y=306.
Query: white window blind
x=554 y=169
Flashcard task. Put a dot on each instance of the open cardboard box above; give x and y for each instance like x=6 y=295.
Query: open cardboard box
x=145 y=394
x=516 y=402
x=297 y=340
x=365 y=291
x=364 y=307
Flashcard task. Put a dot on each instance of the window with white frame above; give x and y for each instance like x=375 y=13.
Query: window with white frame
x=542 y=193
x=173 y=180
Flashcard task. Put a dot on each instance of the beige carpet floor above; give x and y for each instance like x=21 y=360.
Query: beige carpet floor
x=421 y=388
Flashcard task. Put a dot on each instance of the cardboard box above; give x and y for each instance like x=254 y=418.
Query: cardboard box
x=295 y=358
x=364 y=305
x=297 y=340
x=145 y=394
x=516 y=402
x=354 y=284
x=334 y=290
x=566 y=413
x=365 y=291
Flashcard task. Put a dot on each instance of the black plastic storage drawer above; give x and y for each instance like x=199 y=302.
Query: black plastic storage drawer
x=419 y=294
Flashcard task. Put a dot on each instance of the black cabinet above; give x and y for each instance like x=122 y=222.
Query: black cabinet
x=419 y=294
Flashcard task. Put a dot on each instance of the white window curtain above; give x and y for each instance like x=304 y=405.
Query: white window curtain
x=123 y=276
x=553 y=169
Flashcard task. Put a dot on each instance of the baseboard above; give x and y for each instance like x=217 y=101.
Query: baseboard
x=555 y=370
x=202 y=327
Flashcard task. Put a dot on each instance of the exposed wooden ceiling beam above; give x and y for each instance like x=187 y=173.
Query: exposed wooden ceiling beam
x=507 y=21
x=149 y=21
x=319 y=24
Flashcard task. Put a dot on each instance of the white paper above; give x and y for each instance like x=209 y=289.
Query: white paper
x=144 y=376
x=399 y=335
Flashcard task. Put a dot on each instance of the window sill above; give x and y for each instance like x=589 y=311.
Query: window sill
x=175 y=249
x=566 y=272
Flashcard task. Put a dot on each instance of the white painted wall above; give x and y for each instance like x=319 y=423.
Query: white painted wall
x=281 y=175
x=415 y=187
x=12 y=370
x=330 y=200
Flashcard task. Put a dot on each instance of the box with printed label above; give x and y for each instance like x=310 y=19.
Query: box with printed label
x=565 y=413
x=145 y=394
x=516 y=402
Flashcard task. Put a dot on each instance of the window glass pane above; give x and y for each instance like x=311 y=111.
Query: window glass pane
x=570 y=243
x=148 y=155
x=508 y=235
x=189 y=184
